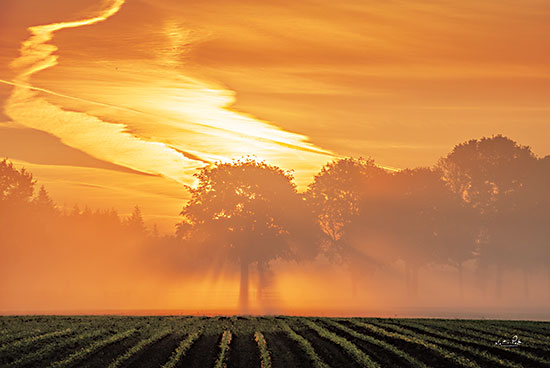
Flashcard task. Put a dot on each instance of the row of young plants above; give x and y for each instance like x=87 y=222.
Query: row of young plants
x=190 y=327
x=158 y=328
x=48 y=338
x=477 y=340
x=18 y=327
x=81 y=354
x=491 y=333
x=457 y=349
x=224 y=349
x=182 y=348
x=402 y=340
x=357 y=354
x=536 y=333
x=265 y=356
x=391 y=349
x=9 y=336
x=541 y=328
x=139 y=347
x=305 y=345
x=61 y=344
x=443 y=353
x=19 y=346
x=444 y=342
x=444 y=345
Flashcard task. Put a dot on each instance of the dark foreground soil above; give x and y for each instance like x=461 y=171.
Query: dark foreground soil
x=284 y=351
x=467 y=340
x=328 y=351
x=109 y=353
x=243 y=352
x=156 y=354
x=203 y=352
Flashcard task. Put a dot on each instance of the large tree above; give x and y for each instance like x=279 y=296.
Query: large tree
x=488 y=173
x=451 y=223
x=411 y=216
x=250 y=213
x=541 y=236
x=334 y=198
x=522 y=226
x=493 y=175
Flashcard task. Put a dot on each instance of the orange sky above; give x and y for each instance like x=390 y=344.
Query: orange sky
x=130 y=97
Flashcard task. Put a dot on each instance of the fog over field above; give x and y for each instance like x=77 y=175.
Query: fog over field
x=465 y=238
x=306 y=158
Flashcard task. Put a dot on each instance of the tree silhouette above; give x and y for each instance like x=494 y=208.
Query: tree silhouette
x=248 y=212
x=43 y=201
x=521 y=227
x=412 y=211
x=486 y=172
x=492 y=175
x=454 y=224
x=135 y=221
x=15 y=185
x=335 y=196
x=411 y=216
x=541 y=213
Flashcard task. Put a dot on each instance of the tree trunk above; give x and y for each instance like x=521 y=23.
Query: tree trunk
x=408 y=279
x=411 y=272
x=481 y=280
x=525 y=283
x=243 y=292
x=415 y=280
x=353 y=276
x=460 y=280
x=265 y=281
x=498 y=281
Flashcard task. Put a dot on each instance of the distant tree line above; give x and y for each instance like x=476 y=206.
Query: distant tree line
x=31 y=223
x=487 y=201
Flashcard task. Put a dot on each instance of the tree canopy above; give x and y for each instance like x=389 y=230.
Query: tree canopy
x=247 y=212
x=15 y=185
x=335 y=195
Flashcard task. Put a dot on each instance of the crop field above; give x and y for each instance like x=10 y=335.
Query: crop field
x=170 y=341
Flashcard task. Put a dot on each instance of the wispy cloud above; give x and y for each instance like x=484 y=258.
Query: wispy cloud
x=204 y=128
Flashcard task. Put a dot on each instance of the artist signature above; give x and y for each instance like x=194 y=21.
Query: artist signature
x=509 y=343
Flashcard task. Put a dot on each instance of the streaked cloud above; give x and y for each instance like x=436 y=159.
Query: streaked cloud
x=209 y=129
x=164 y=87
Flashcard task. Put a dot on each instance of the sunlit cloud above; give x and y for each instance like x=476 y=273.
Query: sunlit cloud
x=209 y=129
x=118 y=104
x=164 y=87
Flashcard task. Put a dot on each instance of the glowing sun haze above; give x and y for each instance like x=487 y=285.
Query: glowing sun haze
x=116 y=103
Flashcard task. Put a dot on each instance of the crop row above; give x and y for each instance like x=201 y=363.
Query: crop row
x=32 y=340
x=7 y=336
x=473 y=344
x=445 y=341
x=264 y=351
x=138 y=347
x=434 y=348
x=81 y=354
x=305 y=346
x=359 y=356
x=224 y=347
x=41 y=355
x=391 y=349
x=272 y=342
x=182 y=348
x=492 y=333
